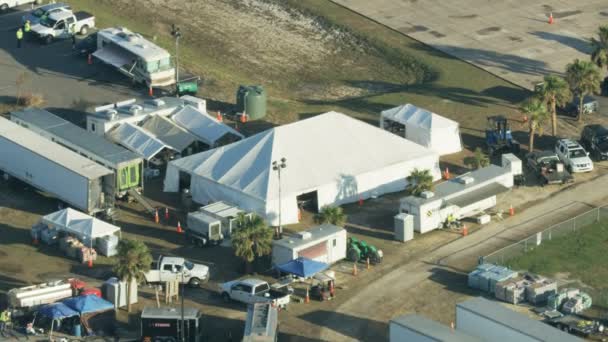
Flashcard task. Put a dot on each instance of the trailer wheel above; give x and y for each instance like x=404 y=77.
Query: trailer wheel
x=48 y=39
x=194 y=282
x=226 y=297
x=84 y=30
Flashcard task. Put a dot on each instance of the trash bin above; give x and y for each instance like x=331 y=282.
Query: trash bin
x=77 y=330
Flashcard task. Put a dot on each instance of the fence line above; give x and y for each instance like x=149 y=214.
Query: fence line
x=569 y=226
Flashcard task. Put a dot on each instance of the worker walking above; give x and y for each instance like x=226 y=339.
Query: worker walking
x=73 y=34
x=4 y=318
x=27 y=27
x=19 y=37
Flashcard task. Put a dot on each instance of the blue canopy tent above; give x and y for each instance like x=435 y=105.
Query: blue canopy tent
x=88 y=304
x=303 y=267
x=57 y=311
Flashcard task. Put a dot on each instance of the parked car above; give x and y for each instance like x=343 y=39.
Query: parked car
x=548 y=168
x=595 y=139
x=253 y=291
x=573 y=155
x=58 y=25
x=6 y=4
x=171 y=268
x=590 y=105
x=43 y=11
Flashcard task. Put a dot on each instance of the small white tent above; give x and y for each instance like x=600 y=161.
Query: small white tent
x=428 y=129
x=137 y=140
x=331 y=157
x=205 y=127
x=79 y=224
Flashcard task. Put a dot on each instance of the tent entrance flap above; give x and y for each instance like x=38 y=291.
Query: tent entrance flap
x=115 y=56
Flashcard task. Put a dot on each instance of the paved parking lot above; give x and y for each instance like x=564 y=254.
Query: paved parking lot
x=511 y=39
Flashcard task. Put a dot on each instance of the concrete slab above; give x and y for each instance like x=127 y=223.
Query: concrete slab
x=511 y=38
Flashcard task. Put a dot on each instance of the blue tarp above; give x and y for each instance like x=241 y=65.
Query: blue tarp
x=57 y=311
x=87 y=304
x=303 y=267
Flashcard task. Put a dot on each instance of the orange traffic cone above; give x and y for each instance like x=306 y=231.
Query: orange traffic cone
x=219 y=116
x=550 y=18
x=179 y=227
x=307 y=298
x=367 y=262
x=355 y=269
x=166 y=213
x=465 y=231
x=90 y=59
x=446 y=174
x=332 y=290
x=90 y=263
x=511 y=210
x=156 y=219
x=150 y=91
x=243 y=117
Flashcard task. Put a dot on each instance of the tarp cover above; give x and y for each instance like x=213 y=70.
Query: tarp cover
x=137 y=140
x=207 y=128
x=168 y=132
x=80 y=224
x=428 y=129
x=57 y=311
x=88 y=304
x=341 y=158
x=303 y=267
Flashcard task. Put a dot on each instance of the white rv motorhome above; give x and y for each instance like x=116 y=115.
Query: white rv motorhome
x=135 y=56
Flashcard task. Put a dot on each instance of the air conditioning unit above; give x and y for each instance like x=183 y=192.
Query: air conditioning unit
x=111 y=114
x=135 y=109
x=465 y=180
x=158 y=103
x=427 y=194
x=304 y=235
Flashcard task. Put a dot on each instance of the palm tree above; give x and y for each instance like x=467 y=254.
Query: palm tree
x=332 y=215
x=584 y=79
x=419 y=181
x=251 y=239
x=599 y=55
x=537 y=116
x=477 y=160
x=132 y=262
x=554 y=92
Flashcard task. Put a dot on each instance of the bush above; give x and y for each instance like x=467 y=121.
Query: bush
x=31 y=100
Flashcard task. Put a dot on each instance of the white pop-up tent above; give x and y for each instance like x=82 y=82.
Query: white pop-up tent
x=331 y=159
x=79 y=224
x=428 y=129
x=205 y=127
x=138 y=140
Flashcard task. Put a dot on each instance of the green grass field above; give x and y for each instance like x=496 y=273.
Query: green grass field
x=390 y=69
x=580 y=255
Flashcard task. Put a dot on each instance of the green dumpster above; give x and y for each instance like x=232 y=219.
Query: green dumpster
x=184 y=88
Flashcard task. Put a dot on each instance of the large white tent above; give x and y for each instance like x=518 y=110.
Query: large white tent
x=80 y=224
x=334 y=157
x=428 y=129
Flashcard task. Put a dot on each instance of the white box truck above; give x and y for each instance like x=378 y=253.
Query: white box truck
x=54 y=169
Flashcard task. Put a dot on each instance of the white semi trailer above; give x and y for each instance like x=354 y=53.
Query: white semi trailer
x=49 y=167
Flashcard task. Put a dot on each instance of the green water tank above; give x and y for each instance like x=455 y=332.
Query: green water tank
x=251 y=100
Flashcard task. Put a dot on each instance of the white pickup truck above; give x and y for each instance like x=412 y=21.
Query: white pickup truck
x=60 y=25
x=171 y=268
x=6 y=4
x=253 y=291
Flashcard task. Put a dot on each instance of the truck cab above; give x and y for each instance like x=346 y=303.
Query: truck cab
x=175 y=268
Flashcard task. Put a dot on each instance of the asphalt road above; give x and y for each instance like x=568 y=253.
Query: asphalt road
x=64 y=79
x=393 y=293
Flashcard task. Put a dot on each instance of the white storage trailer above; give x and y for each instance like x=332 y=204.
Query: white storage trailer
x=127 y=165
x=225 y=212
x=493 y=322
x=463 y=196
x=420 y=329
x=52 y=168
x=325 y=243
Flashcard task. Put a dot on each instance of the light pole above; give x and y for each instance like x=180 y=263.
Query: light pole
x=175 y=32
x=277 y=166
x=183 y=325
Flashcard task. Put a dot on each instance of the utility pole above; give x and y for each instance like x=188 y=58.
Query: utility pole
x=183 y=332
x=175 y=32
x=277 y=166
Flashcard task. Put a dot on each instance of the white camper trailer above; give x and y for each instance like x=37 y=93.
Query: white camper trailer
x=135 y=56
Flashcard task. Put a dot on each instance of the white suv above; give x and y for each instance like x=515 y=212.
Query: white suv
x=573 y=155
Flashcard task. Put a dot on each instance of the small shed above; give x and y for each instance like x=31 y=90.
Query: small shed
x=325 y=243
x=423 y=127
x=463 y=196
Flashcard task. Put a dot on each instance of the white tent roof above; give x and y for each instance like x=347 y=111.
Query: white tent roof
x=412 y=115
x=207 y=128
x=137 y=140
x=168 y=132
x=75 y=222
x=319 y=151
